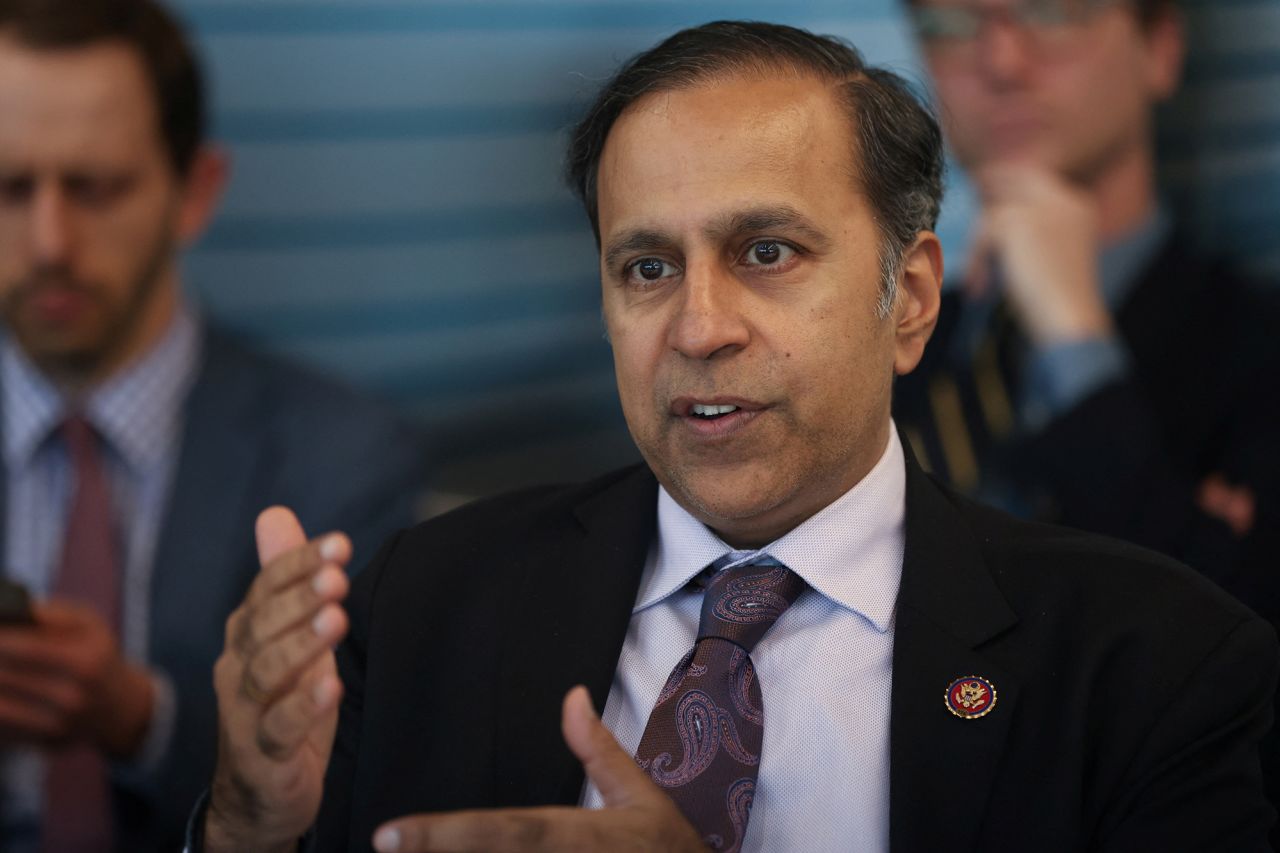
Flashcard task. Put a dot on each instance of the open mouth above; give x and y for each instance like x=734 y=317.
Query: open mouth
x=710 y=412
x=716 y=419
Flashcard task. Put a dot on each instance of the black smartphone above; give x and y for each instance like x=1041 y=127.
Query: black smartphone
x=15 y=603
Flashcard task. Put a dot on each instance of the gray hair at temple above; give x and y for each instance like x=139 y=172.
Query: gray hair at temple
x=897 y=160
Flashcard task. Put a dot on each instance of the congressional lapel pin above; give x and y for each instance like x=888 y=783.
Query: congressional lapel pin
x=971 y=697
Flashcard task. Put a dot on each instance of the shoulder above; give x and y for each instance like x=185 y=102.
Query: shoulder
x=298 y=404
x=1099 y=601
x=532 y=518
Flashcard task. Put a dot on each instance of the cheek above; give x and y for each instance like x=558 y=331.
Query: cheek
x=634 y=364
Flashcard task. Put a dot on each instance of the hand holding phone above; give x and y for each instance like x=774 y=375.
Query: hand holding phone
x=15 y=604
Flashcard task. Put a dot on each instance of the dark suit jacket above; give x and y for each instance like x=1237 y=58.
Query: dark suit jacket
x=1131 y=692
x=1127 y=460
x=257 y=432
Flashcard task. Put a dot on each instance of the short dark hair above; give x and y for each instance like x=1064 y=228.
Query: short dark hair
x=145 y=27
x=898 y=145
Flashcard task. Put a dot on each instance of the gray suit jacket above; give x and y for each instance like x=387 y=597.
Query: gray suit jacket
x=257 y=432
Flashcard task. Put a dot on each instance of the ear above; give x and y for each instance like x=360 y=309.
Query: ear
x=919 y=297
x=1166 y=49
x=201 y=190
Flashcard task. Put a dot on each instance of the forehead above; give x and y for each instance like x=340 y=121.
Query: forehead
x=76 y=104
x=686 y=155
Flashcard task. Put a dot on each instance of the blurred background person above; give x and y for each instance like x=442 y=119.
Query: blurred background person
x=139 y=441
x=1090 y=367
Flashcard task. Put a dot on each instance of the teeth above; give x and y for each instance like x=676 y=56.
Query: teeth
x=712 y=411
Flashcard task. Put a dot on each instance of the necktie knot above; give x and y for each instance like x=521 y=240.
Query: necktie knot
x=80 y=436
x=744 y=598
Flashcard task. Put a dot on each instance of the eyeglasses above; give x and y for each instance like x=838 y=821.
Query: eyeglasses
x=1052 y=23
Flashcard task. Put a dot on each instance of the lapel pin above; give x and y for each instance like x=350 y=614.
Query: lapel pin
x=971 y=697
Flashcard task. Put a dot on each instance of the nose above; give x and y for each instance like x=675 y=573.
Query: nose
x=1005 y=53
x=50 y=224
x=710 y=321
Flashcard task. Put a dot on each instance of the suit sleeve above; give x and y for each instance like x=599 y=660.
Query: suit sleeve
x=1196 y=782
x=1106 y=466
x=333 y=824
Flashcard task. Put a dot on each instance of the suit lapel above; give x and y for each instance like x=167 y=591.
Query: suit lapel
x=942 y=766
x=206 y=537
x=570 y=639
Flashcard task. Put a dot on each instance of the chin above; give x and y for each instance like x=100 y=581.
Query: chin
x=729 y=502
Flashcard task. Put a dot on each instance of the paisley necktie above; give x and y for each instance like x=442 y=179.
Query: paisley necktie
x=702 y=742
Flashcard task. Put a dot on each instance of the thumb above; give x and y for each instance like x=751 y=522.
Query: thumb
x=277 y=530
x=614 y=772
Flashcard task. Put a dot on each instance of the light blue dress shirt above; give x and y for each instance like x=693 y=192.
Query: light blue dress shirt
x=825 y=668
x=138 y=414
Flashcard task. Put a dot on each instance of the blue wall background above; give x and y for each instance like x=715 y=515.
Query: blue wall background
x=397 y=217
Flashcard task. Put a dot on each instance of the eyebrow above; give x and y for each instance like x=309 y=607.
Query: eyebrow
x=640 y=240
x=750 y=221
x=764 y=219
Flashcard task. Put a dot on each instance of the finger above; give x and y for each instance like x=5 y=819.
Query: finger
x=299 y=563
x=29 y=722
x=61 y=615
x=277 y=666
x=614 y=772
x=283 y=544
x=527 y=830
x=288 y=608
x=277 y=530
x=52 y=691
x=287 y=722
x=33 y=650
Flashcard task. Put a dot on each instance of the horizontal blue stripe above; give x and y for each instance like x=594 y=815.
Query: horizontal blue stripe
x=259 y=18
x=525 y=301
x=283 y=125
x=497 y=372
x=1180 y=139
x=1231 y=67
x=267 y=233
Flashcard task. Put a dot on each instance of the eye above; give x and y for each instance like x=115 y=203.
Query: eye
x=647 y=271
x=769 y=253
x=98 y=190
x=16 y=189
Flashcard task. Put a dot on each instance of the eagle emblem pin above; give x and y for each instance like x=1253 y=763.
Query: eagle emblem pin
x=971 y=697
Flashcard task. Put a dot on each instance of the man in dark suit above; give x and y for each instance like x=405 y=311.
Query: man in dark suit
x=934 y=675
x=139 y=442
x=1091 y=368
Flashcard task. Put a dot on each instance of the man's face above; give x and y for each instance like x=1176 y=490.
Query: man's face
x=1073 y=98
x=88 y=205
x=740 y=275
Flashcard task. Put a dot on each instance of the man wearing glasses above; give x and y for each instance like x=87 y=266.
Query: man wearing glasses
x=1089 y=368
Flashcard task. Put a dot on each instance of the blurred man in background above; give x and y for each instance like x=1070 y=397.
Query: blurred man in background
x=1089 y=368
x=138 y=441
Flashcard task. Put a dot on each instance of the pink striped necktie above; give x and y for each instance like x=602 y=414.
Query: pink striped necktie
x=77 y=805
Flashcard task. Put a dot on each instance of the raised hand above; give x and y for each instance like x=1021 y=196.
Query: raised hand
x=1043 y=233
x=637 y=814
x=278 y=690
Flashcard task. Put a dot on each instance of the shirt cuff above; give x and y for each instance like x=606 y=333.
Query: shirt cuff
x=1060 y=376
x=155 y=744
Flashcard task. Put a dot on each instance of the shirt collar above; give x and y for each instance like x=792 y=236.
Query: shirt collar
x=1121 y=261
x=850 y=552
x=136 y=409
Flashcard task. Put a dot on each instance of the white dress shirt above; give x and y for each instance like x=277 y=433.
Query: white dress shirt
x=825 y=668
